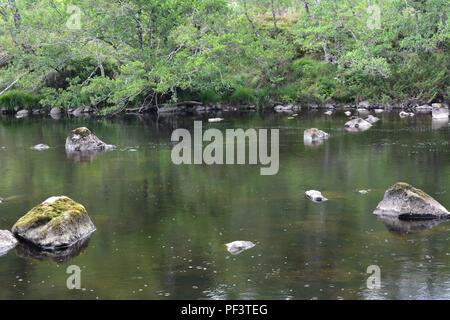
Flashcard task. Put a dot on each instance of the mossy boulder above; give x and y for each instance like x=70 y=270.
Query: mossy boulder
x=58 y=222
x=408 y=203
x=7 y=241
x=82 y=140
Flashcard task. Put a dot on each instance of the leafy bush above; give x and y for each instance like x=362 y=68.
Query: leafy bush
x=18 y=98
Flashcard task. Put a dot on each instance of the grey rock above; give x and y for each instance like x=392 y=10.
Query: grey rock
x=78 y=112
x=58 y=222
x=315 y=196
x=22 y=114
x=372 y=119
x=82 y=139
x=314 y=134
x=7 y=241
x=55 y=110
x=404 y=114
x=237 y=247
x=364 y=105
x=408 y=203
x=424 y=108
x=357 y=125
x=440 y=111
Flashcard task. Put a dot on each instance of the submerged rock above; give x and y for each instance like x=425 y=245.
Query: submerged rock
x=82 y=139
x=371 y=119
x=408 y=203
x=357 y=124
x=40 y=147
x=57 y=222
x=314 y=134
x=315 y=196
x=237 y=247
x=7 y=241
x=440 y=111
x=59 y=255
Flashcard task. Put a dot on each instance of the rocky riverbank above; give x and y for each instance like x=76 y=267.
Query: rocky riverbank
x=195 y=107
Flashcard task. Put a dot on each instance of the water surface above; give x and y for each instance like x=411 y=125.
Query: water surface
x=161 y=228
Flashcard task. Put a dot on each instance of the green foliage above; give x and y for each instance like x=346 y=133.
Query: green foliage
x=18 y=98
x=133 y=52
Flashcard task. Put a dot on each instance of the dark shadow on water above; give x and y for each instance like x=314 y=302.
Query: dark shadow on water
x=27 y=250
x=404 y=226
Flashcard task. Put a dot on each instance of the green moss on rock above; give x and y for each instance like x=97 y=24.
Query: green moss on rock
x=83 y=131
x=50 y=210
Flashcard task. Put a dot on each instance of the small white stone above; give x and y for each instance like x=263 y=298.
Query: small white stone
x=215 y=119
x=315 y=196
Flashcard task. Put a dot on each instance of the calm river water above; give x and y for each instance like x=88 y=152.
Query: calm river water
x=161 y=228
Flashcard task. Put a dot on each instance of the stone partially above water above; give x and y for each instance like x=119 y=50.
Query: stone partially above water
x=440 y=111
x=58 y=222
x=82 y=139
x=237 y=247
x=408 y=203
x=357 y=125
x=314 y=134
x=315 y=196
x=7 y=241
x=404 y=114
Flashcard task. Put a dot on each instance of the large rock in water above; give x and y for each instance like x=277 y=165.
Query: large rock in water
x=82 y=139
x=7 y=241
x=408 y=203
x=58 y=222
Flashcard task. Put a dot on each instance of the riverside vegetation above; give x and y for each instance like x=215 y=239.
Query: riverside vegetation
x=135 y=55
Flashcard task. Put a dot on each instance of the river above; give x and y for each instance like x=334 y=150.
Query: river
x=162 y=228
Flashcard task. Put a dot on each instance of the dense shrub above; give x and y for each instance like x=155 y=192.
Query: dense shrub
x=17 y=98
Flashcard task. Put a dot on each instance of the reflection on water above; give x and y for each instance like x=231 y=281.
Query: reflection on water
x=27 y=250
x=162 y=229
x=407 y=226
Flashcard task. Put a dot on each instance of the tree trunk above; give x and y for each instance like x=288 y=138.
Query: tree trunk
x=249 y=18
x=274 y=17
x=139 y=33
x=306 y=5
